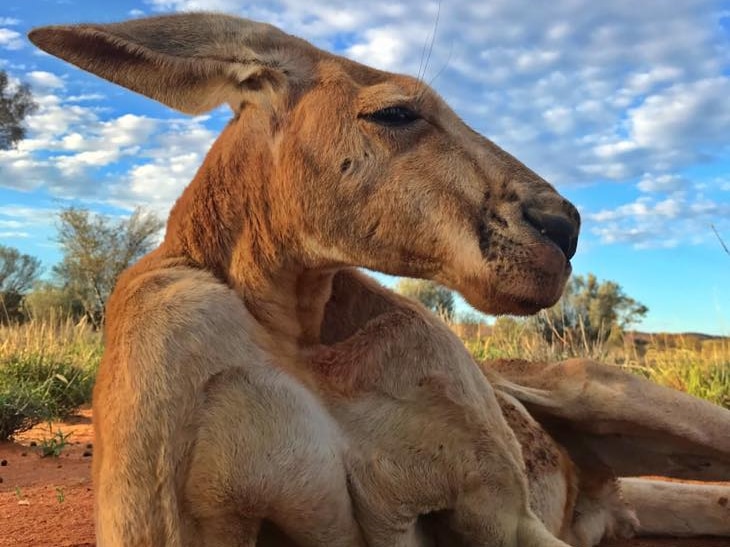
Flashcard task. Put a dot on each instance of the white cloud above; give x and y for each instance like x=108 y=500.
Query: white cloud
x=642 y=82
x=23 y=222
x=14 y=235
x=686 y=115
x=196 y=5
x=44 y=80
x=21 y=215
x=382 y=48
x=623 y=91
x=649 y=222
x=614 y=149
x=662 y=183
x=68 y=144
x=9 y=21
x=10 y=224
x=84 y=97
x=76 y=164
x=10 y=39
x=166 y=167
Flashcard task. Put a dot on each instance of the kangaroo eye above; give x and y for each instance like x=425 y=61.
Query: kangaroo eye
x=393 y=116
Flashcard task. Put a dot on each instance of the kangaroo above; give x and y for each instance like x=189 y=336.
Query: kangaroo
x=225 y=411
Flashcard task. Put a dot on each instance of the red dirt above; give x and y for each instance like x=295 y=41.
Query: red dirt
x=48 y=501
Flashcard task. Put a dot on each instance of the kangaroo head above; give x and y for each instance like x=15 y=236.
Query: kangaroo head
x=339 y=164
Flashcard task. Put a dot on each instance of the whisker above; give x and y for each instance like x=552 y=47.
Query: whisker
x=430 y=50
x=446 y=64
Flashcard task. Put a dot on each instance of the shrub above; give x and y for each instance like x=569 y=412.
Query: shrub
x=33 y=389
x=46 y=371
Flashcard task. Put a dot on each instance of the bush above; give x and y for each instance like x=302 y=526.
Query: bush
x=47 y=303
x=33 y=390
x=435 y=297
x=20 y=408
x=47 y=370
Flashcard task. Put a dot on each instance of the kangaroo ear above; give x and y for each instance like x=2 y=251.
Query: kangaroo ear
x=191 y=62
x=629 y=423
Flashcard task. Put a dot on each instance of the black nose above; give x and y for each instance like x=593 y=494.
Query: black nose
x=561 y=228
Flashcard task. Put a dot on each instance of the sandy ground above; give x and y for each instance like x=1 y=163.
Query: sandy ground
x=48 y=501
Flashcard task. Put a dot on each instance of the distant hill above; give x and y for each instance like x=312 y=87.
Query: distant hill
x=672 y=339
x=669 y=337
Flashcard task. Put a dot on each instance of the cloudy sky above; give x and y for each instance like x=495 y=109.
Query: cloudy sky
x=623 y=105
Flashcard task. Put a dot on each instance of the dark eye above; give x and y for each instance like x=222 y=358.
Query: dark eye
x=393 y=116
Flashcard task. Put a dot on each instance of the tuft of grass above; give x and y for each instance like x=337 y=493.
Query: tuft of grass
x=53 y=446
x=47 y=370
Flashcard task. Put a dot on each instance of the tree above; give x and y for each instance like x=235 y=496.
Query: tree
x=18 y=272
x=96 y=249
x=48 y=302
x=435 y=297
x=597 y=309
x=15 y=104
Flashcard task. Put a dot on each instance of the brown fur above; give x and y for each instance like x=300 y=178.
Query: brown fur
x=610 y=422
x=251 y=393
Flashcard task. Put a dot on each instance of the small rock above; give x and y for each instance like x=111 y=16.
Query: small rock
x=23 y=502
x=4 y=463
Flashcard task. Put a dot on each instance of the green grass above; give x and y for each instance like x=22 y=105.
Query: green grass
x=53 y=446
x=47 y=370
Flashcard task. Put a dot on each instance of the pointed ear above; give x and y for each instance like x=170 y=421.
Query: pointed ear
x=191 y=62
x=631 y=424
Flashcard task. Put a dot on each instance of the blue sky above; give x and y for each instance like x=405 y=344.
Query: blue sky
x=623 y=105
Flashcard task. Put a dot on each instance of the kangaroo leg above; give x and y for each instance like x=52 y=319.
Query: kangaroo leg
x=147 y=397
x=267 y=450
x=496 y=513
x=427 y=436
x=679 y=509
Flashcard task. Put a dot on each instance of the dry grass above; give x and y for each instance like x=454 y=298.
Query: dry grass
x=47 y=367
x=699 y=367
x=690 y=363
